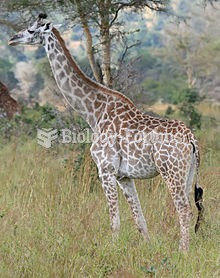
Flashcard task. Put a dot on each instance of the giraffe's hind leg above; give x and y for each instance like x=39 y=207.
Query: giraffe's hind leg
x=128 y=187
x=176 y=176
x=183 y=208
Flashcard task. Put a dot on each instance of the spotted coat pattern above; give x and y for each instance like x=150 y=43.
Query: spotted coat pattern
x=128 y=144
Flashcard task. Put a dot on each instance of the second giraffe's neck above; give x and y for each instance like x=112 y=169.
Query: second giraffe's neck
x=87 y=97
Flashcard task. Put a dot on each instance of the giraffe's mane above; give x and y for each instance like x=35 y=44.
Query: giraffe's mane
x=85 y=78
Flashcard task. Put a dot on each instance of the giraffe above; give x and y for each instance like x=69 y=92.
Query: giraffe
x=128 y=144
x=8 y=105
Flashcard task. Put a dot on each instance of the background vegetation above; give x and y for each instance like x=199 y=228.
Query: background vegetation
x=53 y=213
x=55 y=222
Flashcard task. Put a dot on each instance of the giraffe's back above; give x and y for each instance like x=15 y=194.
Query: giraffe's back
x=138 y=137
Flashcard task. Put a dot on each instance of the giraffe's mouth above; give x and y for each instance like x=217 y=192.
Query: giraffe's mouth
x=16 y=39
x=12 y=43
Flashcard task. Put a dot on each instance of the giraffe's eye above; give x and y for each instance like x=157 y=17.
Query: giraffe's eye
x=30 y=32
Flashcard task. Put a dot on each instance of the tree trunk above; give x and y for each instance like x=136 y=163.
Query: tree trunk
x=191 y=80
x=106 y=62
x=105 y=37
x=89 y=43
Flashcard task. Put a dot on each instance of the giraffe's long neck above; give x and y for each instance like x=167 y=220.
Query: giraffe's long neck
x=67 y=76
x=81 y=93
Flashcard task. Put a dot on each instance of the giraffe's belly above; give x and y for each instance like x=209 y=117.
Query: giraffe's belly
x=138 y=165
x=144 y=172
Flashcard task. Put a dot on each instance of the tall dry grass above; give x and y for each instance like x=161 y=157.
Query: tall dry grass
x=55 y=222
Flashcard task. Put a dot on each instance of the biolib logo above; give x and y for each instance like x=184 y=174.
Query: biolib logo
x=46 y=136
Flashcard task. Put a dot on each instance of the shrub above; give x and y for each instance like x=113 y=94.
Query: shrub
x=187 y=99
x=191 y=114
x=31 y=119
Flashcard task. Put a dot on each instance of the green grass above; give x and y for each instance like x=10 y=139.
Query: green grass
x=54 y=219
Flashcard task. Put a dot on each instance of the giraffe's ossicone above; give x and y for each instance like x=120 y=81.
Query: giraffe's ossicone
x=128 y=144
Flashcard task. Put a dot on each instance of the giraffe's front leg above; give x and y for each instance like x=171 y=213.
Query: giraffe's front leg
x=109 y=185
x=107 y=161
x=130 y=192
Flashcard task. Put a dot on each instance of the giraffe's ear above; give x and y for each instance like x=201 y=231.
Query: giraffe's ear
x=41 y=18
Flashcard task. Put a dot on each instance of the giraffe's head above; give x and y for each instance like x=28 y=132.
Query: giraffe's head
x=34 y=34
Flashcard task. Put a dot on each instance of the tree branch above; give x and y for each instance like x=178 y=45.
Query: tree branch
x=157 y=5
x=89 y=42
x=9 y=24
x=121 y=60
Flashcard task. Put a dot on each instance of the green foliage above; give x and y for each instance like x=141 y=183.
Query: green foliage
x=187 y=95
x=187 y=99
x=165 y=87
x=192 y=116
x=39 y=116
x=30 y=119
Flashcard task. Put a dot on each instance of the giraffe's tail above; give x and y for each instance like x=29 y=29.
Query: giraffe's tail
x=198 y=193
x=198 y=200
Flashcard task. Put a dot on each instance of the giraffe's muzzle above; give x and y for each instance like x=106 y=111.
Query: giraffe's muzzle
x=16 y=39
